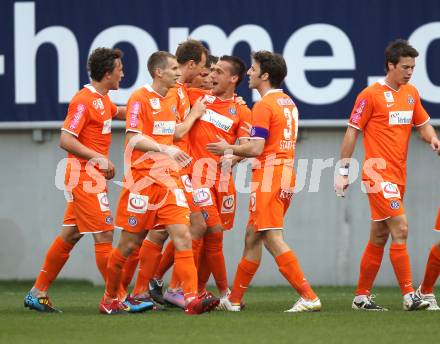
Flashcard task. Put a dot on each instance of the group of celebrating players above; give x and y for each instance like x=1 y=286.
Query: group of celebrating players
x=184 y=133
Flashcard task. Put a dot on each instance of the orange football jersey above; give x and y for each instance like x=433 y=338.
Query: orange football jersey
x=386 y=117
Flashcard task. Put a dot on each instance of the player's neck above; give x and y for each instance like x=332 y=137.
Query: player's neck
x=99 y=87
x=390 y=82
x=159 y=88
x=225 y=95
x=263 y=89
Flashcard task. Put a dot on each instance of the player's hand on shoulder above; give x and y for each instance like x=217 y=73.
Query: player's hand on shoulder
x=199 y=107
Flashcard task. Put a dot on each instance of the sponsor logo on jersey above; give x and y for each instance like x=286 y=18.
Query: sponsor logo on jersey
x=107 y=126
x=164 y=127
x=400 y=117
x=98 y=104
x=137 y=203
x=356 y=116
x=104 y=203
x=411 y=100
x=155 y=103
x=180 y=93
x=285 y=102
x=135 y=108
x=80 y=108
x=388 y=96
x=286 y=194
x=253 y=202
x=390 y=190
x=228 y=203
x=202 y=197
x=180 y=198
x=187 y=183
x=219 y=121
x=395 y=205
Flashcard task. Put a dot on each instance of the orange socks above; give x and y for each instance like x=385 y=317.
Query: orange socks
x=370 y=264
x=203 y=271
x=149 y=257
x=289 y=267
x=216 y=260
x=245 y=272
x=432 y=270
x=102 y=252
x=186 y=272
x=196 y=246
x=128 y=273
x=166 y=262
x=116 y=263
x=56 y=257
x=402 y=267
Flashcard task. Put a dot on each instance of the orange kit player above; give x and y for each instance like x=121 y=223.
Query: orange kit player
x=386 y=112
x=86 y=136
x=213 y=185
x=152 y=194
x=191 y=57
x=426 y=289
x=273 y=138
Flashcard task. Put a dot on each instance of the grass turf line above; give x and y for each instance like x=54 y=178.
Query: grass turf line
x=263 y=320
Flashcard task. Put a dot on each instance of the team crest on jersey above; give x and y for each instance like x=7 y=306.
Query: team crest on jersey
x=174 y=109
x=411 y=100
x=98 y=104
x=180 y=93
x=388 y=96
x=132 y=221
x=232 y=111
x=155 y=103
x=109 y=220
x=395 y=205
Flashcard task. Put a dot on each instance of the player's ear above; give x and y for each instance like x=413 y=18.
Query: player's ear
x=264 y=76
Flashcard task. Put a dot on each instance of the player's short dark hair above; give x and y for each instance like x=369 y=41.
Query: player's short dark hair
x=397 y=49
x=190 y=50
x=273 y=64
x=211 y=59
x=101 y=61
x=159 y=59
x=238 y=67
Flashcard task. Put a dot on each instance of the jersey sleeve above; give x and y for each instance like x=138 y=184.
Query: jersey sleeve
x=362 y=110
x=77 y=117
x=261 y=116
x=114 y=110
x=134 y=121
x=245 y=119
x=420 y=116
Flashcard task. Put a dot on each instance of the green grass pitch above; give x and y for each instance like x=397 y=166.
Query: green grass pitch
x=263 y=320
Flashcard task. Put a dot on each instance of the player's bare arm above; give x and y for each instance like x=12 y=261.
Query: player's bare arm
x=428 y=134
x=347 y=149
x=146 y=144
x=71 y=144
x=197 y=110
x=120 y=115
x=250 y=149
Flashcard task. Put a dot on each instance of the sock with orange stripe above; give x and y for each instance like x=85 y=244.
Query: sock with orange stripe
x=203 y=271
x=291 y=270
x=56 y=257
x=149 y=258
x=246 y=270
x=186 y=272
x=432 y=271
x=216 y=260
x=102 y=252
x=402 y=267
x=166 y=262
x=116 y=263
x=370 y=264
x=128 y=273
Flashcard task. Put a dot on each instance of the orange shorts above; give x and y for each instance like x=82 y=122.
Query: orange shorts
x=385 y=198
x=216 y=201
x=89 y=211
x=437 y=222
x=270 y=197
x=154 y=206
x=188 y=190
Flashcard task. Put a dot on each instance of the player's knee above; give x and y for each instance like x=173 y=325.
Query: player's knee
x=71 y=237
x=400 y=231
x=103 y=237
x=198 y=229
x=183 y=241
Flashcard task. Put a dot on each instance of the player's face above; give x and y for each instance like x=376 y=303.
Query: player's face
x=203 y=80
x=254 y=75
x=221 y=77
x=116 y=75
x=171 y=73
x=402 y=72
